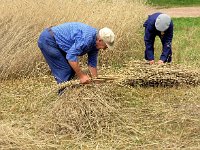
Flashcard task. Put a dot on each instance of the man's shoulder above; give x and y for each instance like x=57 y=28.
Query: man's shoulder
x=156 y=14
x=74 y=25
x=79 y=24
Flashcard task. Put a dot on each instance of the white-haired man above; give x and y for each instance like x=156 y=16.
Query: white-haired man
x=62 y=44
x=158 y=24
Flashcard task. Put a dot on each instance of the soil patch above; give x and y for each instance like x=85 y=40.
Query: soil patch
x=178 y=12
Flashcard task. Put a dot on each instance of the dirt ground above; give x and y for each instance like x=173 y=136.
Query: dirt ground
x=178 y=12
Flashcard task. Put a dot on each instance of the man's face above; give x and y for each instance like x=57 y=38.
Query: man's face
x=100 y=44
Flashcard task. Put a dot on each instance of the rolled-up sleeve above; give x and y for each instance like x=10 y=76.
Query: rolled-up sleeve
x=92 y=58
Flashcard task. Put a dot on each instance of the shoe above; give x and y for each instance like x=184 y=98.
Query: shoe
x=61 y=91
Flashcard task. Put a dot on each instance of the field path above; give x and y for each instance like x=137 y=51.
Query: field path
x=178 y=12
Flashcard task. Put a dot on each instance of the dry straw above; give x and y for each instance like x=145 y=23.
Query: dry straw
x=140 y=73
x=51 y=122
x=43 y=120
x=94 y=116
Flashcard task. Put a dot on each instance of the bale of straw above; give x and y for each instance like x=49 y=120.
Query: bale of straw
x=138 y=73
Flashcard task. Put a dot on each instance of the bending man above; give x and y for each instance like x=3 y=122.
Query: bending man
x=61 y=45
x=161 y=25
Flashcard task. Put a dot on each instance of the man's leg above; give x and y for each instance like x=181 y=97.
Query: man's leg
x=149 y=39
x=55 y=58
x=167 y=51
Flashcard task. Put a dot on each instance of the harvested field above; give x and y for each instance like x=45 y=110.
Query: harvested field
x=109 y=115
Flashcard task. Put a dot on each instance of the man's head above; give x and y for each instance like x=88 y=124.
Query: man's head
x=105 y=39
x=162 y=22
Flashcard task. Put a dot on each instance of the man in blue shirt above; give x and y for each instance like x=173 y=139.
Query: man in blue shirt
x=161 y=25
x=62 y=44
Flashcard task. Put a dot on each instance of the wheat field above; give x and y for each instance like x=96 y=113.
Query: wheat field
x=22 y=21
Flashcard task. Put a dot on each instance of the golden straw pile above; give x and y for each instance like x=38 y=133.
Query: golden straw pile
x=142 y=74
x=82 y=112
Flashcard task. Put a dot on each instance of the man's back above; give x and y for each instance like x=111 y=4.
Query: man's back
x=67 y=34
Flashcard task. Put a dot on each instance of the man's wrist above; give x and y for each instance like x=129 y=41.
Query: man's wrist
x=151 y=62
x=80 y=74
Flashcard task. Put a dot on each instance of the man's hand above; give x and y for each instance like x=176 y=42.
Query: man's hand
x=151 y=62
x=84 y=79
x=160 y=62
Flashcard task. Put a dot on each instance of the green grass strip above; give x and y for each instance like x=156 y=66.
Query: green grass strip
x=186 y=40
x=171 y=3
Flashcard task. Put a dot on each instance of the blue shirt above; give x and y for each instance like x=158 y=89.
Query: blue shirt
x=77 y=39
x=151 y=32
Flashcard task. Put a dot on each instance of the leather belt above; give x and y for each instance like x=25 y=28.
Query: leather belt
x=50 y=31
x=52 y=34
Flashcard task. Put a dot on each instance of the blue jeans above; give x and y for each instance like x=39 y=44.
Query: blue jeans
x=55 y=57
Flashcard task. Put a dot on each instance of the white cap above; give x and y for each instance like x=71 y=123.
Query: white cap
x=107 y=36
x=162 y=22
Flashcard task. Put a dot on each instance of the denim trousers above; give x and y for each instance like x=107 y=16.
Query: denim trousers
x=55 y=57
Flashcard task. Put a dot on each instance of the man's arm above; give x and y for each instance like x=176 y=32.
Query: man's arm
x=93 y=71
x=167 y=45
x=72 y=57
x=92 y=62
x=83 y=77
x=149 y=39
